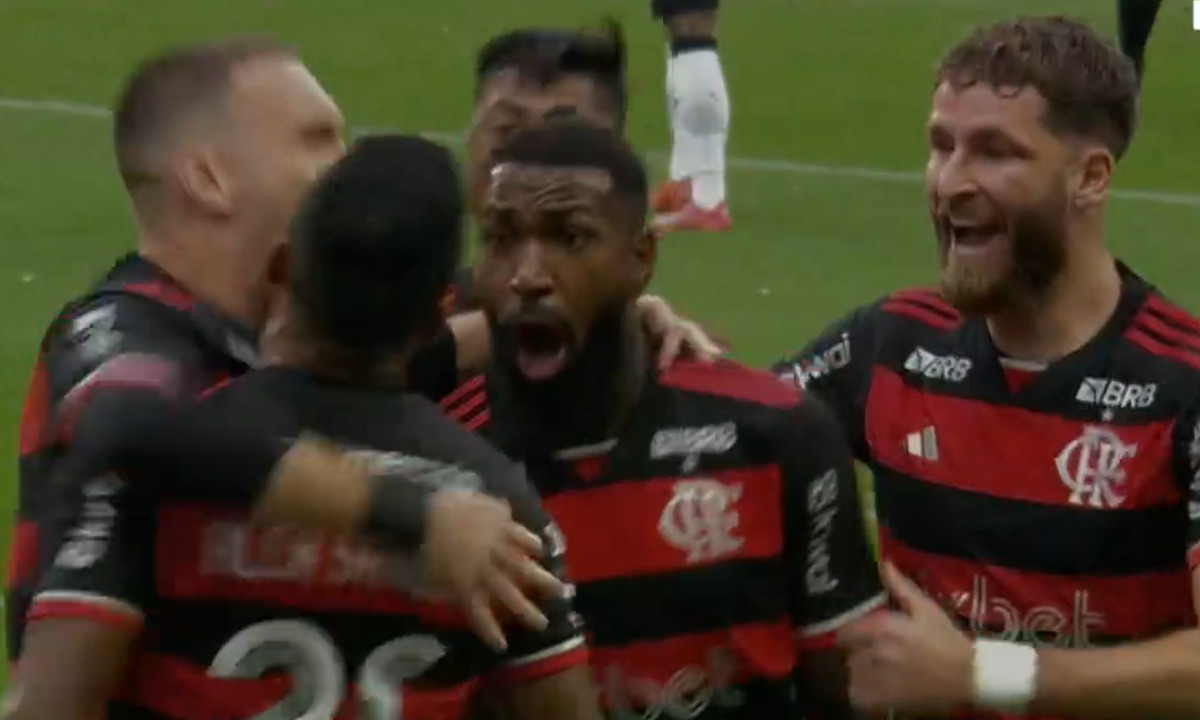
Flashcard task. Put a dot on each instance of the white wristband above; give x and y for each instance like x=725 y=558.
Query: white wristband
x=1005 y=676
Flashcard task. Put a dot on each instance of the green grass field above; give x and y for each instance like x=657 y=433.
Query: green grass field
x=829 y=98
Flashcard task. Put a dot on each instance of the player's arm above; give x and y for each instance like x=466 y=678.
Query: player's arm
x=1158 y=678
x=835 y=579
x=87 y=614
x=836 y=366
x=544 y=674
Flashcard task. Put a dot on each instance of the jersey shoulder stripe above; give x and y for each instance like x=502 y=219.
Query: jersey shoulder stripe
x=924 y=305
x=1164 y=329
x=725 y=378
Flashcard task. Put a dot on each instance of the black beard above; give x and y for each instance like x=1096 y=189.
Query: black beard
x=580 y=405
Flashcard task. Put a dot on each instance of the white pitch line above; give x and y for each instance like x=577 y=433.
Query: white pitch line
x=767 y=165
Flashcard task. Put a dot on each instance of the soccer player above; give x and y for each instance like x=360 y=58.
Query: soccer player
x=709 y=511
x=1034 y=427
x=698 y=109
x=215 y=143
x=1135 y=20
x=233 y=618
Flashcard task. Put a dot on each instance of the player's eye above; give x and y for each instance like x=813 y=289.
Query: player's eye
x=577 y=237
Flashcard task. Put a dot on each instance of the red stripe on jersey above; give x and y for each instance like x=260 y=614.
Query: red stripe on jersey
x=98 y=611
x=183 y=690
x=477 y=421
x=220 y=382
x=23 y=554
x=164 y=293
x=1193 y=556
x=205 y=553
x=727 y=657
x=462 y=391
x=35 y=413
x=1032 y=451
x=920 y=313
x=729 y=379
x=468 y=405
x=658 y=510
x=551 y=664
x=927 y=298
x=1036 y=607
x=133 y=370
x=1154 y=325
x=1186 y=324
x=1154 y=346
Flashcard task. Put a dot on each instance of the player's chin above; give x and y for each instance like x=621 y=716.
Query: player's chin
x=542 y=347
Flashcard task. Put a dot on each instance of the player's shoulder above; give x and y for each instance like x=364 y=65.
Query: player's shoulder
x=730 y=381
x=1162 y=332
x=467 y=404
x=922 y=307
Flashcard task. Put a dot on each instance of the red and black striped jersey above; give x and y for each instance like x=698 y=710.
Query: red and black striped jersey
x=135 y=327
x=238 y=619
x=1042 y=506
x=712 y=543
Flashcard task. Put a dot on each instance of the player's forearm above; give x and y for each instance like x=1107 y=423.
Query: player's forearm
x=1157 y=678
x=473 y=340
x=185 y=451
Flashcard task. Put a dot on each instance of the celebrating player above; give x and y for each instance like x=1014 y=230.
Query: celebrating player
x=229 y=604
x=216 y=143
x=698 y=108
x=1033 y=428
x=710 y=513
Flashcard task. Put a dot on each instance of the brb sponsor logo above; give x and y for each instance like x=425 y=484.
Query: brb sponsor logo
x=1116 y=394
x=684 y=695
x=950 y=368
x=988 y=614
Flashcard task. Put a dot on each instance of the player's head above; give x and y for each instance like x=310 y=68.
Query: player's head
x=565 y=246
x=373 y=248
x=219 y=142
x=1028 y=119
x=523 y=76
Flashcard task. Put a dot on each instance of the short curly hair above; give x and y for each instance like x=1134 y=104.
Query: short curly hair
x=1090 y=87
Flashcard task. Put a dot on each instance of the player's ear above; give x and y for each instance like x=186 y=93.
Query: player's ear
x=1092 y=177
x=644 y=258
x=204 y=181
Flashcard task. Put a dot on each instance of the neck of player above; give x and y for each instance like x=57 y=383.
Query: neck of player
x=1067 y=315
x=287 y=342
x=591 y=401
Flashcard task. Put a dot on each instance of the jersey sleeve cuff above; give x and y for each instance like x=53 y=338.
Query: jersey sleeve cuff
x=57 y=604
x=550 y=661
x=823 y=635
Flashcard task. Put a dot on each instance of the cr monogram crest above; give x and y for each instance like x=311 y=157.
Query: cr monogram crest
x=700 y=519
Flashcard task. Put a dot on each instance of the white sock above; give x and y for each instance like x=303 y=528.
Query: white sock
x=699 y=123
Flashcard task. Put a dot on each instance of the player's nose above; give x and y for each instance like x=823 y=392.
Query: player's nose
x=531 y=277
x=952 y=177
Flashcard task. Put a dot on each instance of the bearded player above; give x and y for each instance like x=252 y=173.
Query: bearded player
x=1034 y=425
x=709 y=512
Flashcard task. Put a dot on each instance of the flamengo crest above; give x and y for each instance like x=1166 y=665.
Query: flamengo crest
x=1090 y=467
x=700 y=519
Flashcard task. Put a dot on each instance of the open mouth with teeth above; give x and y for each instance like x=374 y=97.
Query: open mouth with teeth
x=543 y=347
x=967 y=236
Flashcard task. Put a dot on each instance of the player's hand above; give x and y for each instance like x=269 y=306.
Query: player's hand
x=677 y=337
x=914 y=661
x=475 y=552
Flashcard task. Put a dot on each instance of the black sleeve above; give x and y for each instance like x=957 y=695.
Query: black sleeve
x=835 y=577
x=434 y=370
x=1187 y=469
x=98 y=559
x=836 y=366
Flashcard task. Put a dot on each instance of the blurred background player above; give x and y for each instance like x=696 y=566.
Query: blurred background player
x=233 y=617
x=1135 y=21
x=698 y=109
